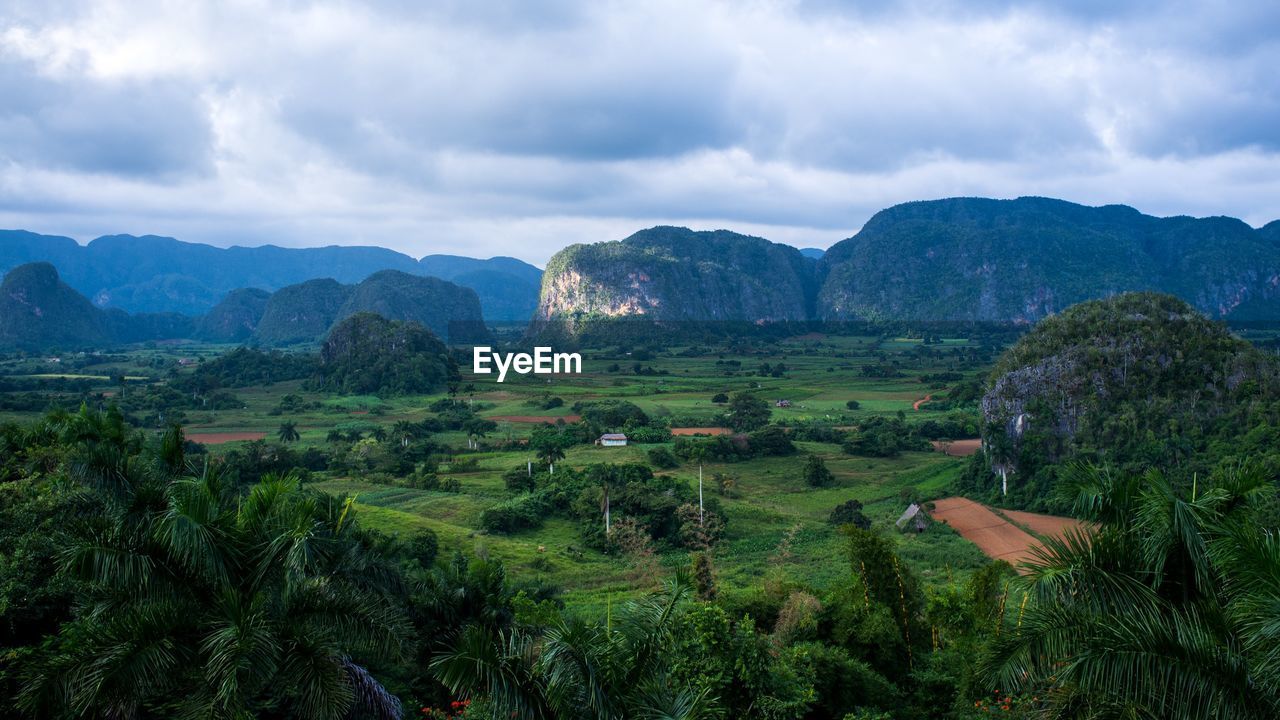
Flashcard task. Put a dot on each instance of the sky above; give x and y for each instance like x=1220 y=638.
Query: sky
x=508 y=127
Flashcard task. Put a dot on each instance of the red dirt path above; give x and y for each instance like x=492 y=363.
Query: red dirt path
x=959 y=448
x=916 y=405
x=533 y=418
x=701 y=431
x=995 y=536
x=217 y=438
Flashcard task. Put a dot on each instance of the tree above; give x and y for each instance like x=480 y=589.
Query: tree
x=816 y=473
x=288 y=432
x=576 y=668
x=206 y=604
x=849 y=513
x=1170 y=609
x=747 y=412
x=551 y=453
x=720 y=398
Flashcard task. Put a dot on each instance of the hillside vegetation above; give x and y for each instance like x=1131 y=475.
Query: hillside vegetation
x=1136 y=381
x=367 y=354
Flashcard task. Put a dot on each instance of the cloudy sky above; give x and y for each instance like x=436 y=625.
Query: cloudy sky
x=513 y=127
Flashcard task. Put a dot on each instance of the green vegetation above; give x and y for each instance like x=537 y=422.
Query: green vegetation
x=366 y=353
x=504 y=563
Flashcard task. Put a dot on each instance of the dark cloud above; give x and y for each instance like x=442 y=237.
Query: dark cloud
x=514 y=127
x=131 y=129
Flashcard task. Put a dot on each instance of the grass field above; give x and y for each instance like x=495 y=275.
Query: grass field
x=777 y=526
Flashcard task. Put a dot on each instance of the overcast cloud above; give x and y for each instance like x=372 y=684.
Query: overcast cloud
x=516 y=128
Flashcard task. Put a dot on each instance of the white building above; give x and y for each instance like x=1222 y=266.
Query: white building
x=612 y=440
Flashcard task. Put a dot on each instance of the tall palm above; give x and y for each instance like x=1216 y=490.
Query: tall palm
x=288 y=432
x=204 y=605
x=551 y=454
x=404 y=431
x=1171 y=608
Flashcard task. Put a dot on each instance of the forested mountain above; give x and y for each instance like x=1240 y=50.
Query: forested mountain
x=368 y=354
x=161 y=274
x=38 y=310
x=306 y=312
x=1021 y=260
x=1136 y=381
x=235 y=318
x=302 y=312
x=676 y=274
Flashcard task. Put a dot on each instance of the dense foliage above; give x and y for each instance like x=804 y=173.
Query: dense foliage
x=367 y=354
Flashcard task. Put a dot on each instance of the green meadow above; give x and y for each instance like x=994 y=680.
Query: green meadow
x=777 y=531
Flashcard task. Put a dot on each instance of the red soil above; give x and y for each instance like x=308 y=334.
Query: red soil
x=916 y=405
x=217 y=438
x=959 y=448
x=534 y=418
x=701 y=431
x=1045 y=525
x=995 y=536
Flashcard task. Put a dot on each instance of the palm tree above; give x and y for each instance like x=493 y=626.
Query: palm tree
x=576 y=668
x=205 y=605
x=288 y=432
x=1171 y=608
x=549 y=454
x=404 y=431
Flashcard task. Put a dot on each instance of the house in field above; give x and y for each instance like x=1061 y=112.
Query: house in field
x=783 y=404
x=914 y=519
x=612 y=440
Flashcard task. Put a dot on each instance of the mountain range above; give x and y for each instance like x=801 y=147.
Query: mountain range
x=39 y=311
x=150 y=274
x=960 y=259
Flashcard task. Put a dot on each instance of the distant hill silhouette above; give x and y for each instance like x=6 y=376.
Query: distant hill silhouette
x=161 y=274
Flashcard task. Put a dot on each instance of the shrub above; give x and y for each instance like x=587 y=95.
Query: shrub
x=849 y=513
x=521 y=513
x=816 y=473
x=662 y=458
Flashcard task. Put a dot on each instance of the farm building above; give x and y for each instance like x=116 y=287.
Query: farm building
x=612 y=440
x=783 y=404
x=914 y=519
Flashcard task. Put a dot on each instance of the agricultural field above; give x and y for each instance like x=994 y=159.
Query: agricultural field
x=777 y=531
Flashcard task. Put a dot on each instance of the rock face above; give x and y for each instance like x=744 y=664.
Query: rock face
x=38 y=311
x=235 y=318
x=1022 y=260
x=672 y=274
x=306 y=312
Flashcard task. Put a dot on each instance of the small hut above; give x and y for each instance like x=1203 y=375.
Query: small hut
x=914 y=519
x=612 y=440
